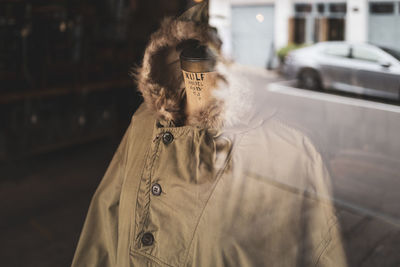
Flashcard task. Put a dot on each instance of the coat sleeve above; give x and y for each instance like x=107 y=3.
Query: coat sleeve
x=97 y=245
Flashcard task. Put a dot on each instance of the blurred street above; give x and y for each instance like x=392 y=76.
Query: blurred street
x=358 y=141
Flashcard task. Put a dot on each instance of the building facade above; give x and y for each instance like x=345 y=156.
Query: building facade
x=252 y=30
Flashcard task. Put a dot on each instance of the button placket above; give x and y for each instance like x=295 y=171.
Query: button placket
x=163 y=138
x=146 y=238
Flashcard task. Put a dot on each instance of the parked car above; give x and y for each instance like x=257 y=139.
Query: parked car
x=353 y=67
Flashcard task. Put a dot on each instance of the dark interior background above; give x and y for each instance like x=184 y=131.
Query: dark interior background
x=66 y=98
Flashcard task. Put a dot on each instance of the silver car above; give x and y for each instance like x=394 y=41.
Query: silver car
x=358 y=68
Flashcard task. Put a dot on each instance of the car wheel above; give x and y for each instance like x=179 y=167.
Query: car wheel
x=310 y=79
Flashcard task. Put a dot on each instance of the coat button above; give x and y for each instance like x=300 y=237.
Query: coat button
x=156 y=189
x=167 y=138
x=147 y=239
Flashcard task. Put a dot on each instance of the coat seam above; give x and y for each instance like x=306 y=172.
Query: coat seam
x=209 y=197
x=150 y=257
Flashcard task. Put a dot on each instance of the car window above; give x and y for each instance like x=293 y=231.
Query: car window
x=365 y=53
x=392 y=52
x=338 y=50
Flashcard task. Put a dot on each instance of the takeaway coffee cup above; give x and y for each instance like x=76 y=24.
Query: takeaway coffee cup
x=197 y=64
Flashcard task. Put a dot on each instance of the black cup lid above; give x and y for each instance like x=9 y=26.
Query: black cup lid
x=197 y=58
x=197 y=53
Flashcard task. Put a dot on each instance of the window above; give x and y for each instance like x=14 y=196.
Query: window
x=303 y=8
x=364 y=53
x=299 y=33
x=338 y=8
x=336 y=28
x=381 y=8
x=321 y=8
x=337 y=50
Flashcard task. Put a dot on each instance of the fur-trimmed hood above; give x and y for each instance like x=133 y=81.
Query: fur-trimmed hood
x=161 y=82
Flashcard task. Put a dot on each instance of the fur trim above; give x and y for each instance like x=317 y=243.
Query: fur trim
x=160 y=78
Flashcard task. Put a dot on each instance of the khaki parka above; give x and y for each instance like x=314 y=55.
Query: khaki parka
x=235 y=185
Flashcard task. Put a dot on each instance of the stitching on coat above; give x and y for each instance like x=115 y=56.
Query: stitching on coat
x=326 y=243
x=149 y=257
x=155 y=156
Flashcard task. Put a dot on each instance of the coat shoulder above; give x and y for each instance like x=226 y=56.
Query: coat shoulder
x=295 y=135
x=143 y=115
x=282 y=138
x=279 y=151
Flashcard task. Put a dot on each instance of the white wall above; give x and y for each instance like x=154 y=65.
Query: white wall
x=253 y=34
x=220 y=17
x=283 y=11
x=357 y=21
